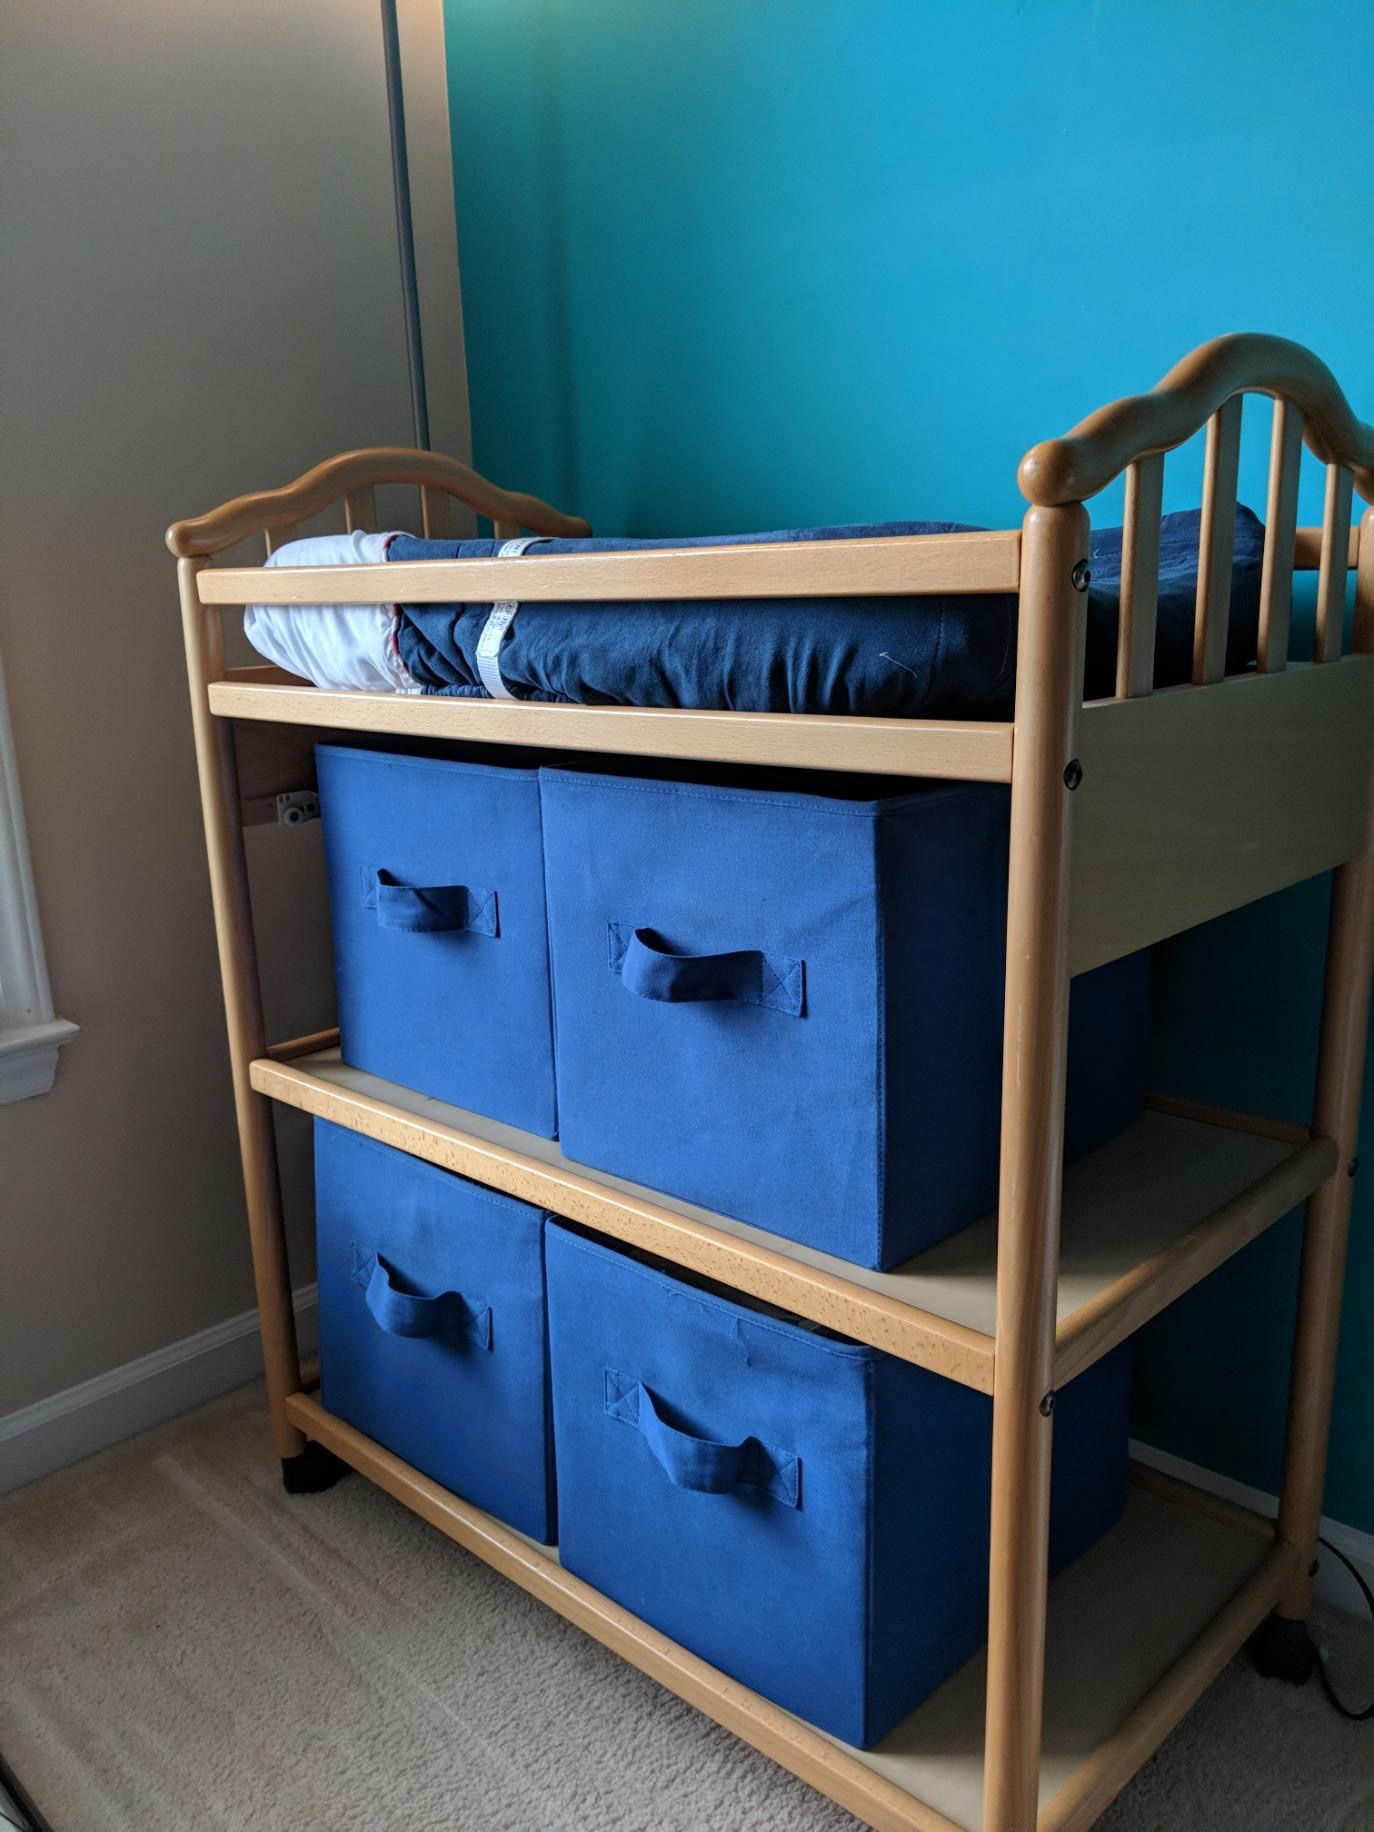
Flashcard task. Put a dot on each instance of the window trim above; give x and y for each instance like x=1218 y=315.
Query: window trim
x=30 y=1033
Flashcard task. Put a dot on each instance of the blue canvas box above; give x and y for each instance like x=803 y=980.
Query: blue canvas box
x=436 y=890
x=433 y=1328
x=806 y=1513
x=787 y=1007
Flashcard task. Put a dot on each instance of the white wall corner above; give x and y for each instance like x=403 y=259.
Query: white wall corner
x=76 y=1423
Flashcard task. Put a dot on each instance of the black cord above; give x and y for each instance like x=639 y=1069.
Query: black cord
x=1346 y=1711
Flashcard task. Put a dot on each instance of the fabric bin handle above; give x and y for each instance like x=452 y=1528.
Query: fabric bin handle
x=428 y=909
x=698 y=1463
x=742 y=977
x=405 y=1313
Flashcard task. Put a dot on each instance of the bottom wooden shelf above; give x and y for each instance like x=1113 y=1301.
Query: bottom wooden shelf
x=1137 y=1630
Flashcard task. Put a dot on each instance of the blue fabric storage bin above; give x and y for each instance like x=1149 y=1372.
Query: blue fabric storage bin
x=787 y=1007
x=808 y=1514
x=433 y=1327
x=436 y=890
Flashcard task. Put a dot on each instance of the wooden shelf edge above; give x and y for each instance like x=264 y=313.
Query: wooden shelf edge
x=1200 y=1501
x=954 y=750
x=933 y=1342
x=303 y=1046
x=875 y=1309
x=806 y=1752
x=264 y=674
x=1231 y=1119
x=1150 y=1287
x=1078 y=1804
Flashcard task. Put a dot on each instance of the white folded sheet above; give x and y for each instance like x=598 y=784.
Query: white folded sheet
x=331 y=645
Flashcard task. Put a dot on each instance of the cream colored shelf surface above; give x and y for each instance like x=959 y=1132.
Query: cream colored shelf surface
x=1178 y=1579
x=1118 y=1620
x=1144 y=1218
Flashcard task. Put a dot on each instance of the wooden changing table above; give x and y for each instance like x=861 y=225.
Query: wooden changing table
x=1132 y=818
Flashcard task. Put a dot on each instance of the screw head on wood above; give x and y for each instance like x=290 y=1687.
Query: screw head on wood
x=1073 y=773
x=1081 y=576
x=1047 y=1404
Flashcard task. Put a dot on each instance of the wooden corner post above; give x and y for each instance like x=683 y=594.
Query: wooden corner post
x=238 y=964
x=1045 y=776
x=1336 y=1115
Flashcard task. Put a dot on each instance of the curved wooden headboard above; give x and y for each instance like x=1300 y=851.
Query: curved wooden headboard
x=1098 y=449
x=1133 y=435
x=353 y=476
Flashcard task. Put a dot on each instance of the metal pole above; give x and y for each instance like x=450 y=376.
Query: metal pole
x=405 y=228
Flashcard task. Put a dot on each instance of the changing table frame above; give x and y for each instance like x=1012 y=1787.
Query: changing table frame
x=1132 y=818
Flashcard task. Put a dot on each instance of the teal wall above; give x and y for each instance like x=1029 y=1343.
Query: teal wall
x=737 y=264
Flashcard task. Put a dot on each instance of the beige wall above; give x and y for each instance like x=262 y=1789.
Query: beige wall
x=201 y=297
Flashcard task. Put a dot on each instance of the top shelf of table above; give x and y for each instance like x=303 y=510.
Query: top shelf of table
x=972 y=751
x=1192 y=801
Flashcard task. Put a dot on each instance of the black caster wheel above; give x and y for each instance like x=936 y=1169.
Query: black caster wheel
x=1282 y=1649
x=313 y=1471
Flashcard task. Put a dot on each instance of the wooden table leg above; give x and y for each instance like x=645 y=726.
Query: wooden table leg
x=1336 y=1115
x=1048 y=696
x=238 y=963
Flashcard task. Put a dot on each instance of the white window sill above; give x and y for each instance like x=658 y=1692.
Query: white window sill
x=28 y=1057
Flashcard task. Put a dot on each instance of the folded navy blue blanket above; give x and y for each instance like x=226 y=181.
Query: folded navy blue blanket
x=896 y=657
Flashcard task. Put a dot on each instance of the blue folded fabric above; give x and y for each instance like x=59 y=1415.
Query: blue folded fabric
x=898 y=657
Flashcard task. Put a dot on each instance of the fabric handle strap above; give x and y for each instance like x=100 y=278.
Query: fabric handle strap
x=428 y=909
x=499 y=620
x=744 y=976
x=697 y=1463
x=406 y=1313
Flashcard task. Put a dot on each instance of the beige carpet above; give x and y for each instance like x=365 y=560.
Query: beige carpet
x=183 y=1648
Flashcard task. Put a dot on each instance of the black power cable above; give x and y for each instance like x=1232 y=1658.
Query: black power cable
x=1346 y=1711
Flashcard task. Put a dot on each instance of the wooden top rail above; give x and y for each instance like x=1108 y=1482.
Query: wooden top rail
x=1345 y=553
x=351 y=474
x=1098 y=449
x=887 y=564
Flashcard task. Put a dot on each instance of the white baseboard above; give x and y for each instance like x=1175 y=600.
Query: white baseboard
x=76 y=1423
x=1333 y=1584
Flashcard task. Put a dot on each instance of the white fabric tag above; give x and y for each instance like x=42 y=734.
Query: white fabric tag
x=500 y=620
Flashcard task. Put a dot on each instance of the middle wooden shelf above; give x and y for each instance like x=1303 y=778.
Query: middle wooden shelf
x=1144 y=1219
